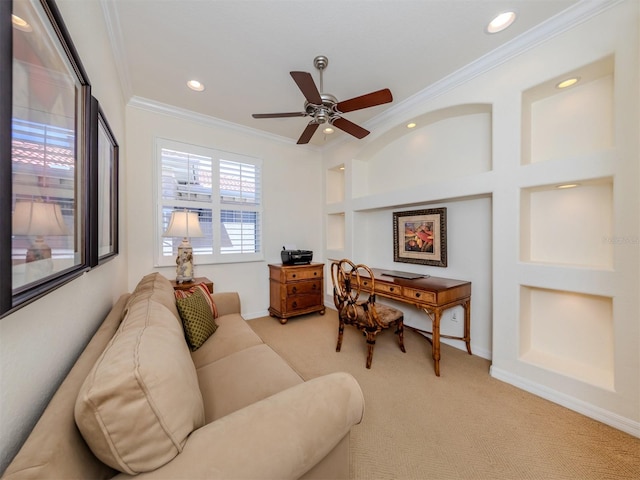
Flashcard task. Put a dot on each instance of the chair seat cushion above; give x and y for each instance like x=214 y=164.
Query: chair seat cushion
x=386 y=315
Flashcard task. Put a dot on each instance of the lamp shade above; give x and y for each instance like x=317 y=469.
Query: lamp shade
x=38 y=218
x=183 y=224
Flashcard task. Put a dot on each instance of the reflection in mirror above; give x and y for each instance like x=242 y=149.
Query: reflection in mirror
x=46 y=140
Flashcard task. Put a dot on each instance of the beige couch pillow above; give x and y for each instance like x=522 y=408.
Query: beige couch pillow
x=154 y=287
x=141 y=400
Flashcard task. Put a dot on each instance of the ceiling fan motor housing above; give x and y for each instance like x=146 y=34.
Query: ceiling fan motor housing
x=325 y=112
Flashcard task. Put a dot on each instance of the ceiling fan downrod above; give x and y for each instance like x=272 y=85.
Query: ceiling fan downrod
x=321 y=62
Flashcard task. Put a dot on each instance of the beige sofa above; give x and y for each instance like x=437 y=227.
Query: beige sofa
x=139 y=403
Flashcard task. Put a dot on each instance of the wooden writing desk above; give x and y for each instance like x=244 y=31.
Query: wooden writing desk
x=433 y=295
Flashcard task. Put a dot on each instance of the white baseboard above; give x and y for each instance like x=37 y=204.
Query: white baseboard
x=254 y=315
x=608 y=418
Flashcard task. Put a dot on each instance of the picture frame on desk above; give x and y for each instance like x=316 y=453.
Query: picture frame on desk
x=420 y=236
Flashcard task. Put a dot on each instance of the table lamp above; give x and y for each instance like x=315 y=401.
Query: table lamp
x=184 y=224
x=39 y=219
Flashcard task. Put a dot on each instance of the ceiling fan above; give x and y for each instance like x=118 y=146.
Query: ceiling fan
x=325 y=108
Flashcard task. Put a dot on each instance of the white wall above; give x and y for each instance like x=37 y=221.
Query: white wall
x=493 y=198
x=292 y=181
x=40 y=342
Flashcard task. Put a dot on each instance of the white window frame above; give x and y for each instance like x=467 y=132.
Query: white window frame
x=215 y=204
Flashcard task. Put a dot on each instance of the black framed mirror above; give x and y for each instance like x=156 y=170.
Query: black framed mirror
x=45 y=181
x=108 y=158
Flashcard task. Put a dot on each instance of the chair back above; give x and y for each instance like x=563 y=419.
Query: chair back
x=350 y=300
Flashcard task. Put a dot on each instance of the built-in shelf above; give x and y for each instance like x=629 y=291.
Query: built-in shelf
x=568 y=333
x=335 y=184
x=568 y=226
x=574 y=121
x=430 y=153
x=335 y=231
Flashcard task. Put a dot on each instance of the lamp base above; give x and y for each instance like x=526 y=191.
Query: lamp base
x=39 y=263
x=184 y=263
x=38 y=251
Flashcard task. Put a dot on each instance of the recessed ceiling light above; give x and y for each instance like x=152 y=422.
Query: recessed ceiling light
x=411 y=125
x=195 y=85
x=20 y=23
x=568 y=82
x=501 y=22
x=568 y=185
x=328 y=130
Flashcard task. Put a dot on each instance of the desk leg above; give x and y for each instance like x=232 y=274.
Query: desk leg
x=467 y=324
x=436 y=340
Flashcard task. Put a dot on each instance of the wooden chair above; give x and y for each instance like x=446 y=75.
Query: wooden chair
x=363 y=313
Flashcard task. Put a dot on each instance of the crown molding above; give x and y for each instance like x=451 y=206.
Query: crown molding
x=117 y=45
x=189 y=115
x=554 y=26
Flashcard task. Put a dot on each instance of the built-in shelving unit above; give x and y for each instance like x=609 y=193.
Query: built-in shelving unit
x=567 y=138
x=554 y=267
x=446 y=160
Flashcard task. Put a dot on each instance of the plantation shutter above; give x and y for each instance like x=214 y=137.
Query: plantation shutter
x=240 y=199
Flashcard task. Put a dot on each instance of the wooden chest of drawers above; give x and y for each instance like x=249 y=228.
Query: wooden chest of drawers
x=296 y=290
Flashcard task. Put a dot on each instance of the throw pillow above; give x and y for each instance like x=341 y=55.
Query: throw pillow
x=197 y=319
x=205 y=291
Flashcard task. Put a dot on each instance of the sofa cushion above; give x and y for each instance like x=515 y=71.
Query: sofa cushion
x=232 y=335
x=141 y=399
x=243 y=378
x=157 y=288
x=197 y=318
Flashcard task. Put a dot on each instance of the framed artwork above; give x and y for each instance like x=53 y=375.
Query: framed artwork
x=420 y=236
x=107 y=169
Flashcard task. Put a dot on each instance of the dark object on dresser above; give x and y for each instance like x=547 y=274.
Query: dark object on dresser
x=296 y=257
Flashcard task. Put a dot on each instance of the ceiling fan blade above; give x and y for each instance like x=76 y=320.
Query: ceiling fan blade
x=365 y=101
x=308 y=133
x=307 y=86
x=278 y=115
x=350 y=127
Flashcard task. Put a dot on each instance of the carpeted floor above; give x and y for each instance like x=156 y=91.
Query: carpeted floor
x=462 y=425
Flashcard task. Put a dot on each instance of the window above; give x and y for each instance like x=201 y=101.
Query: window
x=224 y=189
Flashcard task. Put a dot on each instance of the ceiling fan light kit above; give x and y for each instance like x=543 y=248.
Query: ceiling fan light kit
x=325 y=108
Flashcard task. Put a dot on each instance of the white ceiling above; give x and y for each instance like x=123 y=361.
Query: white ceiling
x=243 y=50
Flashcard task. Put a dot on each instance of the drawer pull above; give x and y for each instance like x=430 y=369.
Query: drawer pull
x=294 y=304
x=417 y=294
x=294 y=275
x=315 y=273
x=294 y=289
x=313 y=287
x=391 y=289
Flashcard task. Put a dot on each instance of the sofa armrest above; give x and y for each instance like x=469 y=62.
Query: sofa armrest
x=280 y=437
x=227 y=302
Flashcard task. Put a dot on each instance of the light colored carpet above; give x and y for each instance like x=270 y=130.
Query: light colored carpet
x=462 y=425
